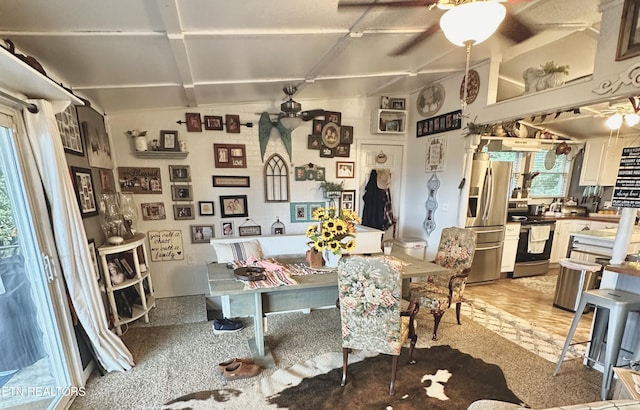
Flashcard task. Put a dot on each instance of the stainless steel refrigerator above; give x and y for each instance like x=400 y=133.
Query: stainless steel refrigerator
x=487 y=214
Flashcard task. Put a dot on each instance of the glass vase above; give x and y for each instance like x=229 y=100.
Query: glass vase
x=129 y=211
x=111 y=219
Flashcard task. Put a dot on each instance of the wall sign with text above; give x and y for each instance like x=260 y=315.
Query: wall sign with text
x=442 y=123
x=165 y=245
x=626 y=193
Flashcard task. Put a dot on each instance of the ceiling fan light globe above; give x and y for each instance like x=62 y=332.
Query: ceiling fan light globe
x=472 y=22
x=631 y=119
x=290 y=122
x=614 y=122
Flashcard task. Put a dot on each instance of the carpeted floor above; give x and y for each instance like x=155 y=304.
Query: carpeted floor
x=177 y=360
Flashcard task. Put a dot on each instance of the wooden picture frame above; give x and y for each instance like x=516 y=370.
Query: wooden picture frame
x=230 y=155
x=140 y=180
x=333 y=117
x=326 y=152
x=227 y=228
x=169 y=140
x=231 y=181
x=94 y=258
x=69 y=129
x=628 y=36
x=397 y=103
x=96 y=139
x=233 y=206
x=232 y=121
x=314 y=141
x=345 y=169
x=202 y=233
x=179 y=173
x=107 y=182
x=182 y=193
x=183 y=211
x=317 y=127
x=321 y=174
x=252 y=230
x=348 y=200
x=153 y=211
x=194 y=122
x=342 y=150
x=85 y=192
x=346 y=134
x=206 y=208
x=213 y=123
x=300 y=173
x=331 y=135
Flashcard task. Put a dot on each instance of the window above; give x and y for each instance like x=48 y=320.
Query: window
x=276 y=179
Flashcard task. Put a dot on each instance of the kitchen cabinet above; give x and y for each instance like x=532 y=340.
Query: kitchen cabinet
x=126 y=272
x=510 y=247
x=386 y=121
x=561 y=240
x=601 y=160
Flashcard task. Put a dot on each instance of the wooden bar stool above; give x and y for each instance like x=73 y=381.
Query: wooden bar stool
x=618 y=303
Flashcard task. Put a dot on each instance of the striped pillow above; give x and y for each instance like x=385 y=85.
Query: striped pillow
x=229 y=252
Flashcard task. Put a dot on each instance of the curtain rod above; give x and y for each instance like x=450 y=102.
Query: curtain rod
x=31 y=107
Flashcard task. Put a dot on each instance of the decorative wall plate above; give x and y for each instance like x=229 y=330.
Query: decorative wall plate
x=430 y=99
x=472 y=87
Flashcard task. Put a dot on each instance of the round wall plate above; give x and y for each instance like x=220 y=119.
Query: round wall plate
x=430 y=99
x=473 y=86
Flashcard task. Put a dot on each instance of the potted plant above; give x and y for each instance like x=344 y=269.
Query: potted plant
x=549 y=75
x=332 y=190
x=334 y=233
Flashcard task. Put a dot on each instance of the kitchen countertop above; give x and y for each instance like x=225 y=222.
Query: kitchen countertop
x=626 y=268
x=591 y=217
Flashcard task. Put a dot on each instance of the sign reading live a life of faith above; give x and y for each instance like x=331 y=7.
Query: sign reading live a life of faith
x=626 y=193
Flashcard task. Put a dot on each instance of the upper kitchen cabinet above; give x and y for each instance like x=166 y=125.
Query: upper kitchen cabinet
x=601 y=161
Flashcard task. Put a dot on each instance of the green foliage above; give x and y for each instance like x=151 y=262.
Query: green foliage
x=551 y=67
x=329 y=186
x=7 y=224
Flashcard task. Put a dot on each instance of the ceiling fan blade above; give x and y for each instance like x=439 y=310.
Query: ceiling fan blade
x=402 y=3
x=514 y=29
x=415 y=41
x=311 y=114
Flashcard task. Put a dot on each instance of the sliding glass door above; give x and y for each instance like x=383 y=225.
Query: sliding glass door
x=35 y=340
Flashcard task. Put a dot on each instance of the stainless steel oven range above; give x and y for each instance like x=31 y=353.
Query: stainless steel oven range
x=534 y=248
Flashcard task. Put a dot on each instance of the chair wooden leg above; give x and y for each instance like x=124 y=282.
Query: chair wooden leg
x=394 y=368
x=414 y=340
x=345 y=360
x=436 y=322
x=458 y=307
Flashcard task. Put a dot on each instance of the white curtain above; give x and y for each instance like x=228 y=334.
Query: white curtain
x=70 y=237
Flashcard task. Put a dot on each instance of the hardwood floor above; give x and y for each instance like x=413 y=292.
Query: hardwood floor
x=530 y=304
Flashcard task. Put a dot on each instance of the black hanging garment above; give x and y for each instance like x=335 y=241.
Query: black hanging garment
x=373 y=214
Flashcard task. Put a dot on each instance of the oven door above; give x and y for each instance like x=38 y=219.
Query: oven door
x=523 y=254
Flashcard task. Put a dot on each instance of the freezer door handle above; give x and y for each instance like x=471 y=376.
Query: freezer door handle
x=486 y=248
x=478 y=231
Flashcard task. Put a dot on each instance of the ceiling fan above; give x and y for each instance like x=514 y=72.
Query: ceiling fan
x=511 y=27
x=291 y=114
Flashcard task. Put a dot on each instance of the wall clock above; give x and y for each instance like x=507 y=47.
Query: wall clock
x=430 y=99
x=472 y=87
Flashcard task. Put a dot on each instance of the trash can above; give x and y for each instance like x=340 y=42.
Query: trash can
x=414 y=247
x=574 y=278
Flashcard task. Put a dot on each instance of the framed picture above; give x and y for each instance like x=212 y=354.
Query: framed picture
x=314 y=141
x=629 y=37
x=393 y=125
x=331 y=135
x=346 y=134
x=397 y=103
x=206 y=208
x=384 y=102
x=227 y=228
x=107 y=182
x=70 y=131
x=94 y=258
x=312 y=208
x=85 y=193
x=201 y=233
x=233 y=206
x=181 y=212
x=301 y=173
x=320 y=174
x=95 y=137
x=231 y=181
x=182 y=193
x=153 y=211
x=333 y=116
x=345 y=169
x=213 y=123
x=233 y=123
x=326 y=152
x=194 y=122
x=317 y=127
x=348 y=199
x=299 y=212
x=230 y=155
x=140 y=180
x=169 y=140
x=253 y=230
x=342 y=150
x=179 y=173
x=311 y=174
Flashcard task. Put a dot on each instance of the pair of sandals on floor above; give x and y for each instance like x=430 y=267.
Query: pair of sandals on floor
x=238 y=368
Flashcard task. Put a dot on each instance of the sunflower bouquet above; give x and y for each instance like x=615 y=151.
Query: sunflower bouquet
x=334 y=231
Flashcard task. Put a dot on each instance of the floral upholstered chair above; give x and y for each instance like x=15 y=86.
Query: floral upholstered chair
x=439 y=292
x=369 y=301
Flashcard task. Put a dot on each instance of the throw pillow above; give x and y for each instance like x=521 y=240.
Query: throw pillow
x=229 y=252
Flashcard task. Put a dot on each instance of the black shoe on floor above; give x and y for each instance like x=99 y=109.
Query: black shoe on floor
x=226 y=326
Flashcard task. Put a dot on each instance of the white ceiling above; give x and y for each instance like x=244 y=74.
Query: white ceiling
x=147 y=54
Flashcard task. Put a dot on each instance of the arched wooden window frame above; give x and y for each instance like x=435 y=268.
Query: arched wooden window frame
x=276 y=179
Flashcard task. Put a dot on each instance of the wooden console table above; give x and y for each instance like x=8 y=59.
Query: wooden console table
x=312 y=291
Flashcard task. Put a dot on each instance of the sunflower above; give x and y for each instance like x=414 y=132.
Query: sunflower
x=333 y=246
x=319 y=246
x=340 y=227
x=312 y=230
x=326 y=235
x=335 y=230
x=350 y=245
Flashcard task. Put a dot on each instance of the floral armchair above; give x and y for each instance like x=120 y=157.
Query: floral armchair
x=438 y=293
x=369 y=301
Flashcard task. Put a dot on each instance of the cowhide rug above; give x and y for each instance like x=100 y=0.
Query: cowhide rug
x=442 y=378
